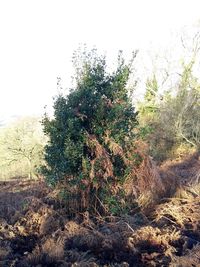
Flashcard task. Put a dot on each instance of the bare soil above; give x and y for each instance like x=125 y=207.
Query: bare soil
x=35 y=229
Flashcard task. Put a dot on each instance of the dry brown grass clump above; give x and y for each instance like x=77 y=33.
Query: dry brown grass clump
x=153 y=245
x=191 y=258
x=181 y=177
x=183 y=213
x=40 y=222
x=144 y=181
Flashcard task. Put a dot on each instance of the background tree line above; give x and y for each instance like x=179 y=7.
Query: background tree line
x=173 y=115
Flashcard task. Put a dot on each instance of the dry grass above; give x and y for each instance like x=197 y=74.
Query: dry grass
x=184 y=214
x=191 y=258
x=35 y=229
x=144 y=181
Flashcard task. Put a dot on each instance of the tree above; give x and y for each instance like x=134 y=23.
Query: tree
x=172 y=115
x=175 y=120
x=91 y=132
x=23 y=142
x=184 y=113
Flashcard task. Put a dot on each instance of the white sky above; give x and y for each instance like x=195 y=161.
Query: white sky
x=38 y=38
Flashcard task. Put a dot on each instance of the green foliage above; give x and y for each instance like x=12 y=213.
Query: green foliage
x=21 y=146
x=99 y=109
x=148 y=107
x=151 y=89
x=180 y=113
x=174 y=119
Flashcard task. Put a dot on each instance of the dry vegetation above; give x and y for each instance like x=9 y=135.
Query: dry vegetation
x=36 y=229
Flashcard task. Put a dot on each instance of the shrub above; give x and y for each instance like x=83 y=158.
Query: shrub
x=91 y=133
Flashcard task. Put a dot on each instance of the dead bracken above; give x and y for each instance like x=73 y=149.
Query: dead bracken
x=36 y=230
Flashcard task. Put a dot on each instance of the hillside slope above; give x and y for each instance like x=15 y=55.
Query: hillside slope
x=36 y=231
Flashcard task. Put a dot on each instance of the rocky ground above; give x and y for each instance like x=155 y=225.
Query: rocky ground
x=35 y=229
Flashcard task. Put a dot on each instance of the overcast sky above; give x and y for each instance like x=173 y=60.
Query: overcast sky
x=38 y=38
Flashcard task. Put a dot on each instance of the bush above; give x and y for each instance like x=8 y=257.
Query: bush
x=91 y=134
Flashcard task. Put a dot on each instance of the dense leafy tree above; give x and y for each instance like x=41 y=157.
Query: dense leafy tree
x=91 y=130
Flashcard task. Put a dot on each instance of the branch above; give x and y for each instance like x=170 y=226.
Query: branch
x=187 y=140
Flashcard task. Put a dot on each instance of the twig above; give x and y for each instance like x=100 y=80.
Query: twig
x=129 y=227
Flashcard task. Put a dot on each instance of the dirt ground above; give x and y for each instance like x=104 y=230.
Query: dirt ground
x=35 y=229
